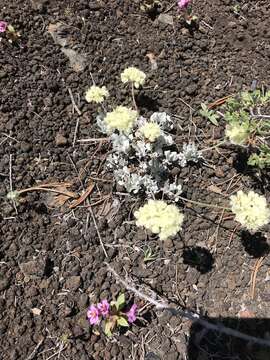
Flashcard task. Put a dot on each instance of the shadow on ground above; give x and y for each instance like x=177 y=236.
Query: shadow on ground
x=211 y=345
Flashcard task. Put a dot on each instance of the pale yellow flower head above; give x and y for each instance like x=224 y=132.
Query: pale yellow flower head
x=250 y=209
x=159 y=217
x=151 y=131
x=133 y=75
x=96 y=94
x=121 y=118
x=237 y=133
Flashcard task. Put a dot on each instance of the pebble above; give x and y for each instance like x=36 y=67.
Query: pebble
x=33 y=267
x=73 y=283
x=60 y=140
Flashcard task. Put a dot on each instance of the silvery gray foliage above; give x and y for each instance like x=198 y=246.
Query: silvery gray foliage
x=173 y=191
x=141 y=165
x=163 y=120
x=191 y=152
x=101 y=125
x=121 y=142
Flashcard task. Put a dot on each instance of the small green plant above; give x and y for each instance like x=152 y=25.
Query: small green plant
x=262 y=159
x=246 y=125
x=209 y=114
x=149 y=255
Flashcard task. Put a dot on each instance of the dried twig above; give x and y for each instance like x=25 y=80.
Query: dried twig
x=95 y=223
x=73 y=102
x=10 y=182
x=257 y=266
x=164 y=305
x=33 y=353
x=82 y=198
x=78 y=119
x=42 y=188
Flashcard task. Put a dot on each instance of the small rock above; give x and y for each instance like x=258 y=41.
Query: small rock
x=60 y=140
x=3 y=74
x=77 y=331
x=33 y=267
x=165 y=19
x=191 y=89
x=67 y=311
x=168 y=244
x=36 y=311
x=232 y=24
x=73 y=283
x=25 y=146
x=83 y=301
x=4 y=283
x=219 y=172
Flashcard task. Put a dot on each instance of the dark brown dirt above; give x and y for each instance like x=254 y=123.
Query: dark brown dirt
x=51 y=259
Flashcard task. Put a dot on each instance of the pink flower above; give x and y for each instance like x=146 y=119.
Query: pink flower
x=132 y=313
x=182 y=4
x=93 y=315
x=3 y=26
x=104 y=307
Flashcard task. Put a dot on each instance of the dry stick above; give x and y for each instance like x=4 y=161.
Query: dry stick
x=254 y=276
x=99 y=236
x=93 y=140
x=33 y=353
x=203 y=204
x=37 y=188
x=78 y=119
x=188 y=314
x=73 y=102
x=10 y=182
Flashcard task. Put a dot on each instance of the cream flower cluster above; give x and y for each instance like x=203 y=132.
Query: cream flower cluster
x=151 y=131
x=237 y=133
x=133 y=75
x=159 y=217
x=96 y=94
x=250 y=209
x=121 y=119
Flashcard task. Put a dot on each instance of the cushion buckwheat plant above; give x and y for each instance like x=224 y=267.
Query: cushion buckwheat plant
x=151 y=131
x=159 y=217
x=121 y=119
x=96 y=94
x=134 y=76
x=143 y=150
x=238 y=134
x=142 y=159
x=250 y=209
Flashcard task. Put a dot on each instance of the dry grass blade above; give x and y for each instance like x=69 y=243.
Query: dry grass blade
x=257 y=266
x=58 y=200
x=83 y=197
x=219 y=102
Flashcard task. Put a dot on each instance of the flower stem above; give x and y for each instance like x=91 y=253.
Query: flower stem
x=133 y=97
x=204 y=204
x=214 y=146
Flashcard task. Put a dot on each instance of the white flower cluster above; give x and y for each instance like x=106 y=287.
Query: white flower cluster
x=142 y=158
x=159 y=217
x=250 y=209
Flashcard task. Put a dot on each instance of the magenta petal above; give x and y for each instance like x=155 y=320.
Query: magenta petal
x=3 y=26
x=93 y=315
x=104 y=307
x=132 y=313
x=183 y=3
